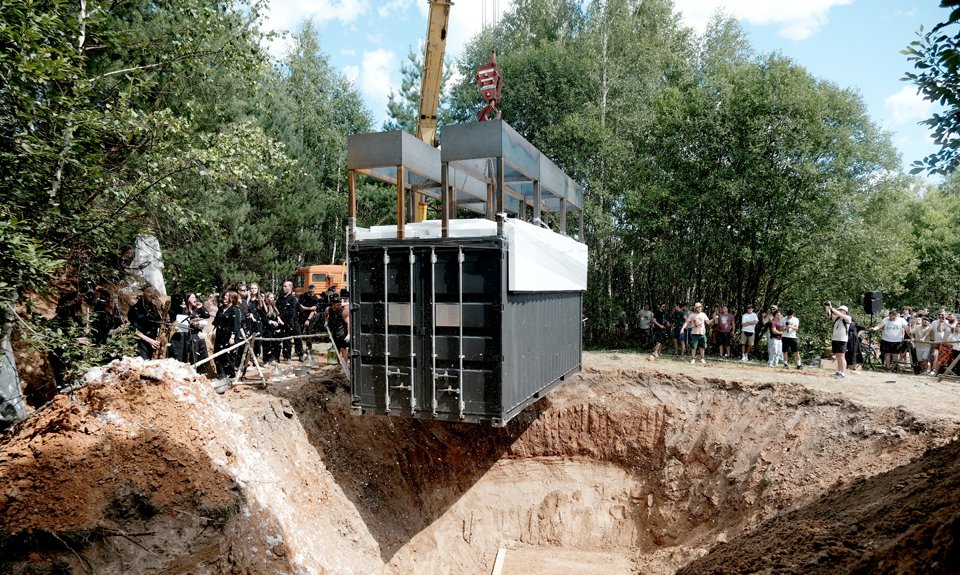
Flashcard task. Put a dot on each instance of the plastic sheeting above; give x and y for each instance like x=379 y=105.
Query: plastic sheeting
x=541 y=260
x=148 y=262
x=474 y=228
x=11 y=397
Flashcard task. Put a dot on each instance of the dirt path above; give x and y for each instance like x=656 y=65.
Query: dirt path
x=918 y=394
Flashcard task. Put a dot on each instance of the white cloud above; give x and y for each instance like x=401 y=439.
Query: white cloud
x=466 y=20
x=374 y=78
x=280 y=46
x=287 y=14
x=394 y=6
x=907 y=106
x=352 y=73
x=797 y=19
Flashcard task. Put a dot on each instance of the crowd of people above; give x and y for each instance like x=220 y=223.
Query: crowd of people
x=928 y=342
x=281 y=323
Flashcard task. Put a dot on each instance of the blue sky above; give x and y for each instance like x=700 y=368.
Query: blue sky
x=853 y=43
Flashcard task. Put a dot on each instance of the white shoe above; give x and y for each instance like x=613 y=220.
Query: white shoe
x=693 y=361
x=703 y=361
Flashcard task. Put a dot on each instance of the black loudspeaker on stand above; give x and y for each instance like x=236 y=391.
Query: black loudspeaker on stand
x=872 y=302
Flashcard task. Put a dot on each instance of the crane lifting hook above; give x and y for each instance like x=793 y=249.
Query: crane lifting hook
x=490 y=82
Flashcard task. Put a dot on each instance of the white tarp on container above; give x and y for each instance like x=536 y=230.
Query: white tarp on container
x=474 y=228
x=543 y=260
x=540 y=260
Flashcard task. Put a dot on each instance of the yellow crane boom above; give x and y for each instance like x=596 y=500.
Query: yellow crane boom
x=436 y=45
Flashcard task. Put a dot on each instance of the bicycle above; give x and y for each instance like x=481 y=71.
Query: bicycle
x=871 y=356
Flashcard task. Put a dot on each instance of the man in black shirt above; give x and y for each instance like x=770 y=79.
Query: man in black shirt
x=308 y=305
x=661 y=329
x=288 y=308
x=144 y=316
x=337 y=319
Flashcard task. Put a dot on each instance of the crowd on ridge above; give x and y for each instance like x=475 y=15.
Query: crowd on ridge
x=276 y=320
x=929 y=341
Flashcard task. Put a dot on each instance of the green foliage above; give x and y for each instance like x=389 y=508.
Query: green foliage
x=711 y=173
x=935 y=245
x=70 y=341
x=300 y=218
x=403 y=109
x=936 y=59
x=109 y=127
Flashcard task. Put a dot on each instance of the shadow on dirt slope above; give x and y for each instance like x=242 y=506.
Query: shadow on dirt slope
x=906 y=520
x=401 y=474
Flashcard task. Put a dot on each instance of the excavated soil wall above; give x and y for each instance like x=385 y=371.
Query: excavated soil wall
x=147 y=470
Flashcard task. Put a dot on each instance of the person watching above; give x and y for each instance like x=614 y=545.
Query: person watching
x=891 y=340
x=920 y=334
x=748 y=328
x=838 y=345
x=645 y=323
x=697 y=323
x=308 y=304
x=661 y=329
x=791 y=325
x=775 y=339
x=145 y=317
x=227 y=325
x=724 y=330
x=288 y=308
x=337 y=319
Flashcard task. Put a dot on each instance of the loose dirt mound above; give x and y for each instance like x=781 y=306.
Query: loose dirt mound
x=630 y=467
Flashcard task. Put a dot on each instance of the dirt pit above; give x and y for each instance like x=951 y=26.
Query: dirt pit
x=633 y=466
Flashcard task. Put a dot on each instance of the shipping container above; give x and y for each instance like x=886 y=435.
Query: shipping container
x=464 y=319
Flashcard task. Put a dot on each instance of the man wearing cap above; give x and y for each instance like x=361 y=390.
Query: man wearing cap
x=841 y=322
x=337 y=319
x=697 y=323
x=748 y=328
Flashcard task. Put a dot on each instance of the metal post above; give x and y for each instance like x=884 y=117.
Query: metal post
x=386 y=330
x=460 y=323
x=351 y=204
x=401 y=215
x=501 y=210
x=413 y=354
x=563 y=216
x=537 y=202
x=491 y=208
x=433 y=333
x=444 y=200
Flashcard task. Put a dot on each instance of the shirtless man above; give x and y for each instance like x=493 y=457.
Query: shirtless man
x=697 y=322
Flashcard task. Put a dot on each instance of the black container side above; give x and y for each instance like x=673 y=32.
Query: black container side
x=410 y=354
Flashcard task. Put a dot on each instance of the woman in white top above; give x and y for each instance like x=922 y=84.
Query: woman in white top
x=841 y=322
x=891 y=341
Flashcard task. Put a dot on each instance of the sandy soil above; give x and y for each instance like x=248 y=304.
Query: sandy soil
x=634 y=466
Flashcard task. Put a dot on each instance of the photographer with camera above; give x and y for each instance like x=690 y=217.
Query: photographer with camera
x=841 y=323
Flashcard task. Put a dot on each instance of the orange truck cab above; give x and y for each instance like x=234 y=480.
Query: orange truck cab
x=321 y=277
